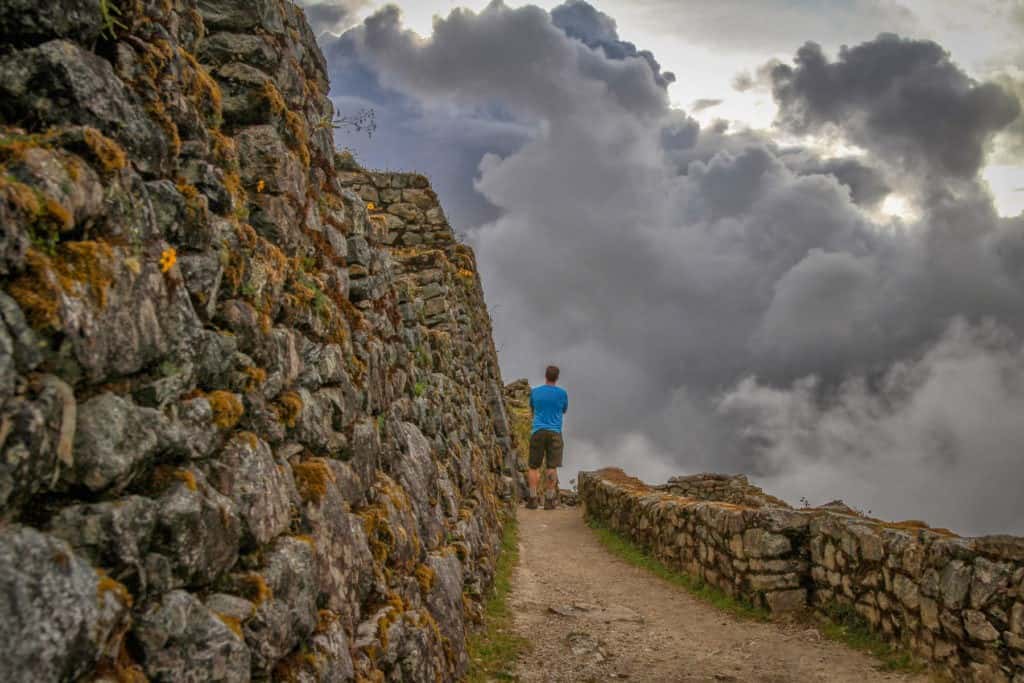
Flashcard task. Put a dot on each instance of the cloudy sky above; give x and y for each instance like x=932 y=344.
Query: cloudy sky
x=779 y=238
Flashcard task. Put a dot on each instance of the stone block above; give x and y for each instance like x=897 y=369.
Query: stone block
x=829 y=556
x=869 y=542
x=951 y=623
x=772 y=582
x=1017 y=618
x=978 y=627
x=761 y=543
x=817 y=549
x=929 y=613
x=779 y=566
x=906 y=591
x=736 y=546
x=181 y=639
x=989 y=578
x=954 y=583
x=59 y=615
x=786 y=600
x=1014 y=641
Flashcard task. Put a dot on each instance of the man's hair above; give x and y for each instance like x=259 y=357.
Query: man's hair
x=551 y=373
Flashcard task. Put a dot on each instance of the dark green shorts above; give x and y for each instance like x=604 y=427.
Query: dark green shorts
x=545 y=448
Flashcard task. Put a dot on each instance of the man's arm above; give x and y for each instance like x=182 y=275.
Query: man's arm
x=565 y=407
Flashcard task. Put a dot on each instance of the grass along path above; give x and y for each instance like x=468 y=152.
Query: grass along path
x=595 y=608
x=493 y=650
x=840 y=623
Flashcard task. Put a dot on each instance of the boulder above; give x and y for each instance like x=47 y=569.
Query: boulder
x=242 y=15
x=197 y=531
x=26 y=22
x=289 y=614
x=954 y=583
x=114 y=534
x=38 y=435
x=114 y=440
x=59 y=615
x=260 y=487
x=761 y=543
x=60 y=82
x=181 y=640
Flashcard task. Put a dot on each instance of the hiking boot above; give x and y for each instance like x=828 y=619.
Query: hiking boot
x=550 y=503
x=531 y=503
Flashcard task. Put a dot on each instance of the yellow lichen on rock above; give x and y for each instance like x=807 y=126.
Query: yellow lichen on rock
x=255 y=589
x=106 y=585
x=107 y=152
x=273 y=97
x=78 y=269
x=227 y=409
x=232 y=623
x=426 y=577
x=290 y=408
x=311 y=479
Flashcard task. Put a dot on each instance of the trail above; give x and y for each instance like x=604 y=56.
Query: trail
x=619 y=622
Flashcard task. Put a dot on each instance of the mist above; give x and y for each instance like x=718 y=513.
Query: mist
x=720 y=298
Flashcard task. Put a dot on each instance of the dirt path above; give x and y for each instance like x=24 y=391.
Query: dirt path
x=619 y=622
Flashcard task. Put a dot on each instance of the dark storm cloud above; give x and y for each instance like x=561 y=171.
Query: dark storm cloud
x=484 y=83
x=903 y=99
x=867 y=185
x=514 y=56
x=707 y=292
x=598 y=30
x=331 y=16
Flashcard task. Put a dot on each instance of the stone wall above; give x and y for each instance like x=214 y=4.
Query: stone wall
x=520 y=419
x=956 y=602
x=728 y=488
x=251 y=428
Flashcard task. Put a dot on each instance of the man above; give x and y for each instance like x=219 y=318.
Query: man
x=548 y=404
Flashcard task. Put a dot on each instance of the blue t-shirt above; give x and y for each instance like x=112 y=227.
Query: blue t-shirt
x=549 y=403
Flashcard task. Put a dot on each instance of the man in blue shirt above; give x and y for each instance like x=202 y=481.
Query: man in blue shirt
x=548 y=403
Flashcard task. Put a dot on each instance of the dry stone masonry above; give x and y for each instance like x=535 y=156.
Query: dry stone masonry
x=957 y=602
x=727 y=488
x=251 y=427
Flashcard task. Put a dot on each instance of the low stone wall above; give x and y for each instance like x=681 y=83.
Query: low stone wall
x=954 y=601
x=728 y=488
x=758 y=554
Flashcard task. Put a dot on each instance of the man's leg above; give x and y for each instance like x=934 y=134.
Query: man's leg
x=551 y=486
x=535 y=461
x=554 y=461
x=533 y=481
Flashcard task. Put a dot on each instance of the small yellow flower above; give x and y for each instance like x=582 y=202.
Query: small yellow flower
x=370 y=206
x=260 y=185
x=167 y=259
